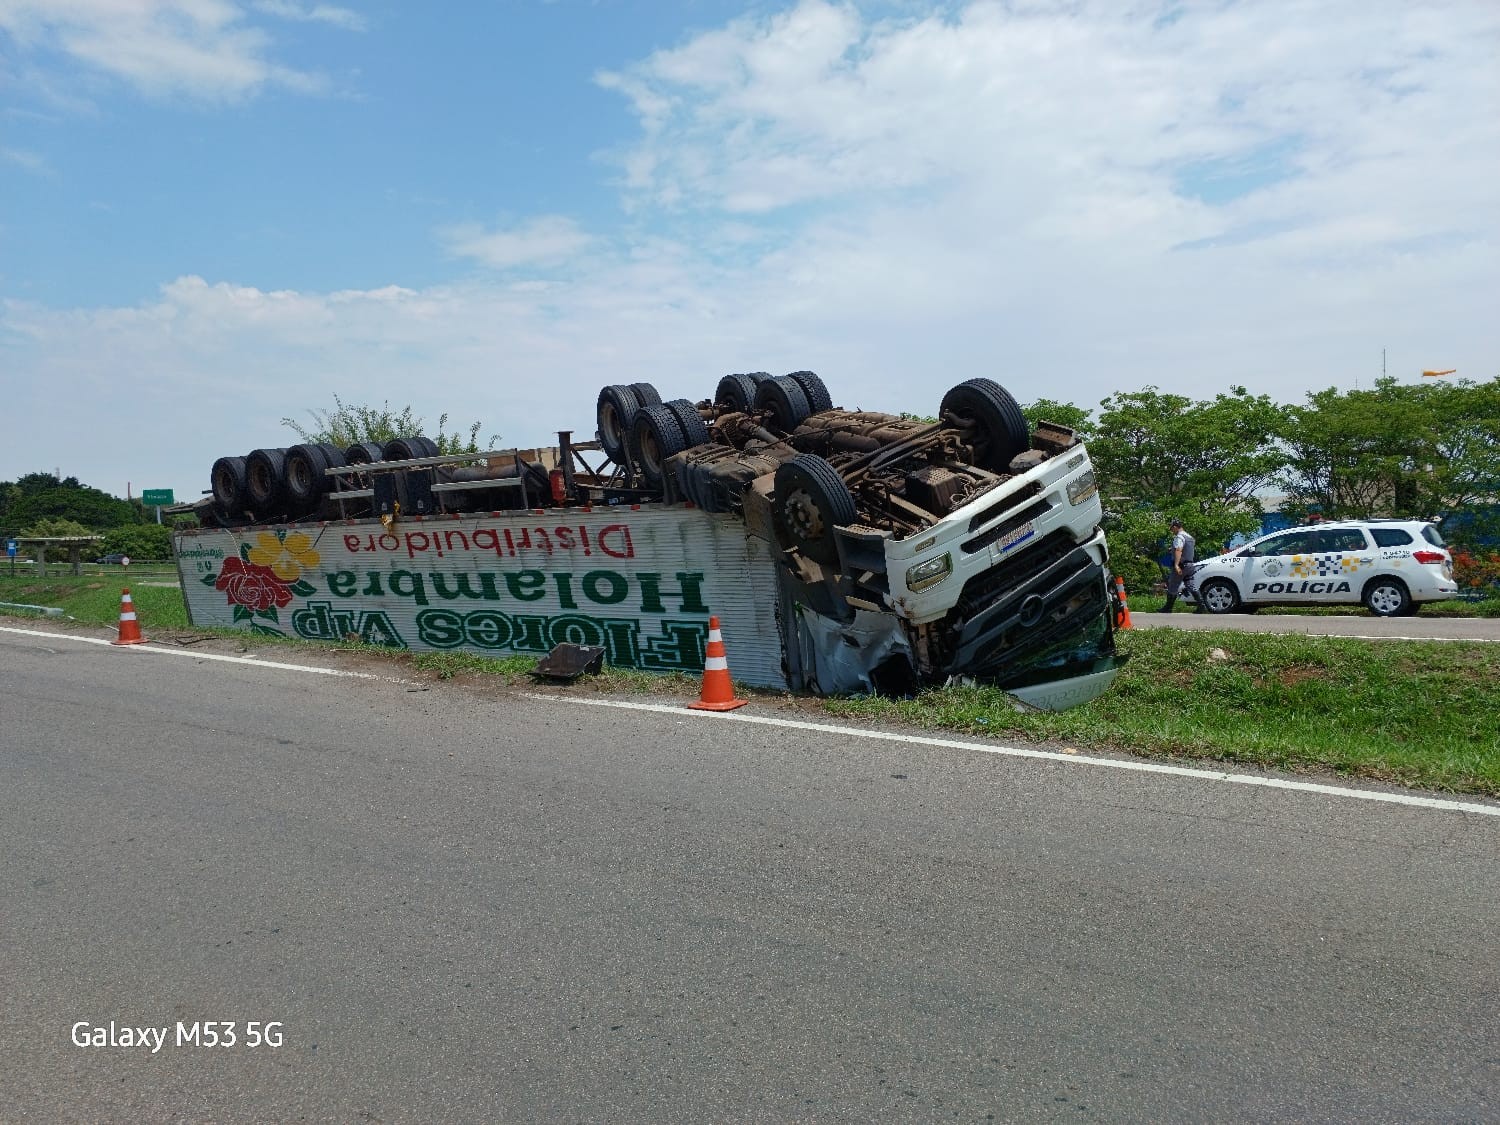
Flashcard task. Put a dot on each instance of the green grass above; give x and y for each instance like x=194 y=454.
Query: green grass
x=1414 y=713
x=1451 y=607
x=95 y=598
x=1411 y=712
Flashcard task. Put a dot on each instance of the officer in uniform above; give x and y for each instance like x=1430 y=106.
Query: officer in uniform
x=1180 y=576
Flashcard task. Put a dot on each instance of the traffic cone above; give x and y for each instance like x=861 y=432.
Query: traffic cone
x=130 y=629
x=718 y=692
x=1122 y=618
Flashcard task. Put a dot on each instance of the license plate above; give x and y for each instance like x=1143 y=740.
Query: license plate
x=1012 y=538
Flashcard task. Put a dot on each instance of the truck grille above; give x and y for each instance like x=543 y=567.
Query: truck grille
x=1048 y=605
x=1006 y=526
x=1016 y=570
x=1003 y=505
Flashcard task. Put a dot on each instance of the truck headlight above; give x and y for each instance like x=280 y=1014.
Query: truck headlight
x=929 y=573
x=1082 y=488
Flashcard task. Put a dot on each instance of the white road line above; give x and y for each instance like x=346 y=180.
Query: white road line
x=1397 y=637
x=1182 y=628
x=158 y=650
x=1047 y=755
x=849 y=732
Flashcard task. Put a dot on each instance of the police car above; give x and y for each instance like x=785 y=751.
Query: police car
x=1391 y=566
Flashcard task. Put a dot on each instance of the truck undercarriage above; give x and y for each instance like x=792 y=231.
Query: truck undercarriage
x=968 y=544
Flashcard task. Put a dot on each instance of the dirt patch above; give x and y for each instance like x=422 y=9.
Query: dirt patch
x=1292 y=677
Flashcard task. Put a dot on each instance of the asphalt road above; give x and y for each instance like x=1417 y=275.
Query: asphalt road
x=465 y=905
x=1341 y=625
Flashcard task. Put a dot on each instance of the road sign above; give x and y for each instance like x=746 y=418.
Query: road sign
x=10 y=547
x=156 y=497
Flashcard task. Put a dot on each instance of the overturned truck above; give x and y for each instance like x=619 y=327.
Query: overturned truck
x=843 y=550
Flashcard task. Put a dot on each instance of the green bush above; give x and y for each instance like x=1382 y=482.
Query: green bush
x=148 y=542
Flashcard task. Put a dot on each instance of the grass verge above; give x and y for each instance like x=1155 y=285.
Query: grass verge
x=1412 y=713
x=1450 y=607
x=97 y=599
x=1418 y=713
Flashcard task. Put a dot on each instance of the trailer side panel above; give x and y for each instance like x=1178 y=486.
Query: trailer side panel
x=641 y=582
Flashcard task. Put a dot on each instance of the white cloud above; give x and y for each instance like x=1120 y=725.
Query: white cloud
x=313 y=13
x=198 y=48
x=547 y=240
x=31 y=161
x=1035 y=194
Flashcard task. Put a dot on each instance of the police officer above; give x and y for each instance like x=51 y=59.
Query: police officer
x=1180 y=576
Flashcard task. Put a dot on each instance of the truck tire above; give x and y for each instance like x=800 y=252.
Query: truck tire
x=689 y=484
x=616 y=410
x=364 y=453
x=304 y=478
x=811 y=500
x=645 y=394
x=694 y=430
x=410 y=448
x=263 y=477
x=999 y=426
x=214 y=514
x=785 y=401
x=736 y=393
x=814 y=388
x=230 y=488
x=655 y=435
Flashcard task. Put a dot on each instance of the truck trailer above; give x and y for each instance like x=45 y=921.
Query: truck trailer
x=842 y=550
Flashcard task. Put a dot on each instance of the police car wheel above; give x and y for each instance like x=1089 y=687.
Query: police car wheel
x=1387 y=597
x=1218 y=595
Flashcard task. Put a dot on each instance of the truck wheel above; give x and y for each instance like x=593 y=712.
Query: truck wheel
x=811 y=500
x=736 y=393
x=230 y=486
x=1387 y=597
x=410 y=448
x=364 y=453
x=213 y=514
x=263 y=476
x=1218 y=595
x=645 y=394
x=616 y=410
x=303 y=476
x=784 y=399
x=687 y=485
x=694 y=430
x=702 y=487
x=655 y=435
x=999 y=426
x=814 y=388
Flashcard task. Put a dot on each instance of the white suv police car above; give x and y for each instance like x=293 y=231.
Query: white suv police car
x=1391 y=566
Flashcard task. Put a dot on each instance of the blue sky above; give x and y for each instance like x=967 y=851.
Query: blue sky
x=218 y=213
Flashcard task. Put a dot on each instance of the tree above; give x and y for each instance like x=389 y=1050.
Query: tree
x=1398 y=449
x=347 y=423
x=56 y=528
x=1162 y=455
x=147 y=542
x=1078 y=418
x=39 y=496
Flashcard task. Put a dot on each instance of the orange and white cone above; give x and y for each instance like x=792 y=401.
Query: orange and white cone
x=130 y=628
x=718 y=692
x=1122 y=617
